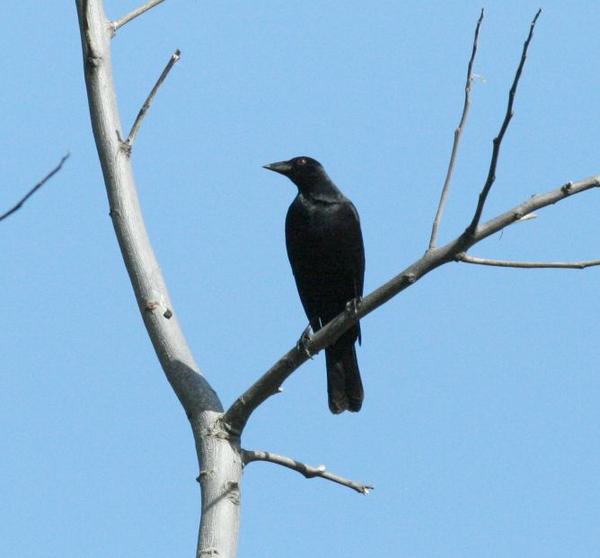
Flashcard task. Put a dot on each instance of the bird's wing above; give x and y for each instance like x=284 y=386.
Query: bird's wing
x=352 y=247
x=351 y=254
x=325 y=249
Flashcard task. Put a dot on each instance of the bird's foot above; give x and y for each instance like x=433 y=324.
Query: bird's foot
x=303 y=342
x=353 y=305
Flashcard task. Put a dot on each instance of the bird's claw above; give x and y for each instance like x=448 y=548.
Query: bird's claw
x=303 y=342
x=353 y=305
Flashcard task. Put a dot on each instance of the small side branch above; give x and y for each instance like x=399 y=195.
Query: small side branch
x=526 y=265
x=128 y=143
x=497 y=143
x=34 y=189
x=457 y=137
x=118 y=23
x=307 y=471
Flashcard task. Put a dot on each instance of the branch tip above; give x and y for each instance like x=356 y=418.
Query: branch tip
x=138 y=121
x=306 y=471
x=457 y=137
x=526 y=265
x=118 y=23
x=470 y=231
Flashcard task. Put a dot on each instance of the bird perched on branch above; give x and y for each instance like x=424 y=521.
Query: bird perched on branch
x=325 y=248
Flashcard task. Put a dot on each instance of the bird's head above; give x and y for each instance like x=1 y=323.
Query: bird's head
x=304 y=172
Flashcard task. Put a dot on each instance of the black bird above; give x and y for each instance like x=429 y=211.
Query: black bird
x=325 y=248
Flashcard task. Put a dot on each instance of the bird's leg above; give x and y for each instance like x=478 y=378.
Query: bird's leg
x=303 y=342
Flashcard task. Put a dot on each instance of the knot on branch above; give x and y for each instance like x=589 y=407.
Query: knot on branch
x=209 y=552
x=93 y=61
x=125 y=145
x=566 y=188
x=224 y=429
x=157 y=302
x=232 y=492
x=204 y=474
x=409 y=278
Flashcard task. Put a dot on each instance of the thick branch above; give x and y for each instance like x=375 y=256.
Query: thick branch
x=497 y=143
x=526 y=265
x=34 y=189
x=307 y=471
x=237 y=415
x=138 y=121
x=218 y=455
x=115 y=25
x=143 y=268
x=457 y=137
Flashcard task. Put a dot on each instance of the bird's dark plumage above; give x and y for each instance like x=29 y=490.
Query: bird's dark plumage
x=325 y=249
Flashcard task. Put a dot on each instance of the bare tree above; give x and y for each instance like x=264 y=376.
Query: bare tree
x=217 y=433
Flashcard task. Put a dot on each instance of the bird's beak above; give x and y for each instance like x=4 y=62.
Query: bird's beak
x=282 y=167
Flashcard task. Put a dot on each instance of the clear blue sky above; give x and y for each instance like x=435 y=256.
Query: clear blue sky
x=481 y=424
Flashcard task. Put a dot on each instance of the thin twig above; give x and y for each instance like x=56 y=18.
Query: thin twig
x=457 y=137
x=35 y=188
x=118 y=23
x=526 y=265
x=138 y=121
x=308 y=471
x=238 y=414
x=491 y=177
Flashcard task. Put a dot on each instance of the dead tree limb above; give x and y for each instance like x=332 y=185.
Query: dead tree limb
x=308 y=471
x=118 y=23
x=218 y=454
x=238 y=414
x=128 y=143
x=526 y=265
x=497 y=143
x=457 y=137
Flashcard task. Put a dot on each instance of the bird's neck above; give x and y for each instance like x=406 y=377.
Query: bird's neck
x=323 y=190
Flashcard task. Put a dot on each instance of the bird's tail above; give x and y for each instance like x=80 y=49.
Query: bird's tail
x=344 y=385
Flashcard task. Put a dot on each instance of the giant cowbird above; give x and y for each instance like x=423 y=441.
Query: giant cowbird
x=325 y=248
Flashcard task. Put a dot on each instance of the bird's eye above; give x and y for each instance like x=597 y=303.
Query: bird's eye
x=302 y=161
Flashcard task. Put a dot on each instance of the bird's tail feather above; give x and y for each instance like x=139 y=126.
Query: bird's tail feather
x=344 y=385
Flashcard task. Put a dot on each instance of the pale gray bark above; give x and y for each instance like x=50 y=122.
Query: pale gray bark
x=218 y=453
x=457 y=137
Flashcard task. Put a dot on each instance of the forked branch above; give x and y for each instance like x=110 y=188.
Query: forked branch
x=238 y=414
x=219 y=524
x=307 y=471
